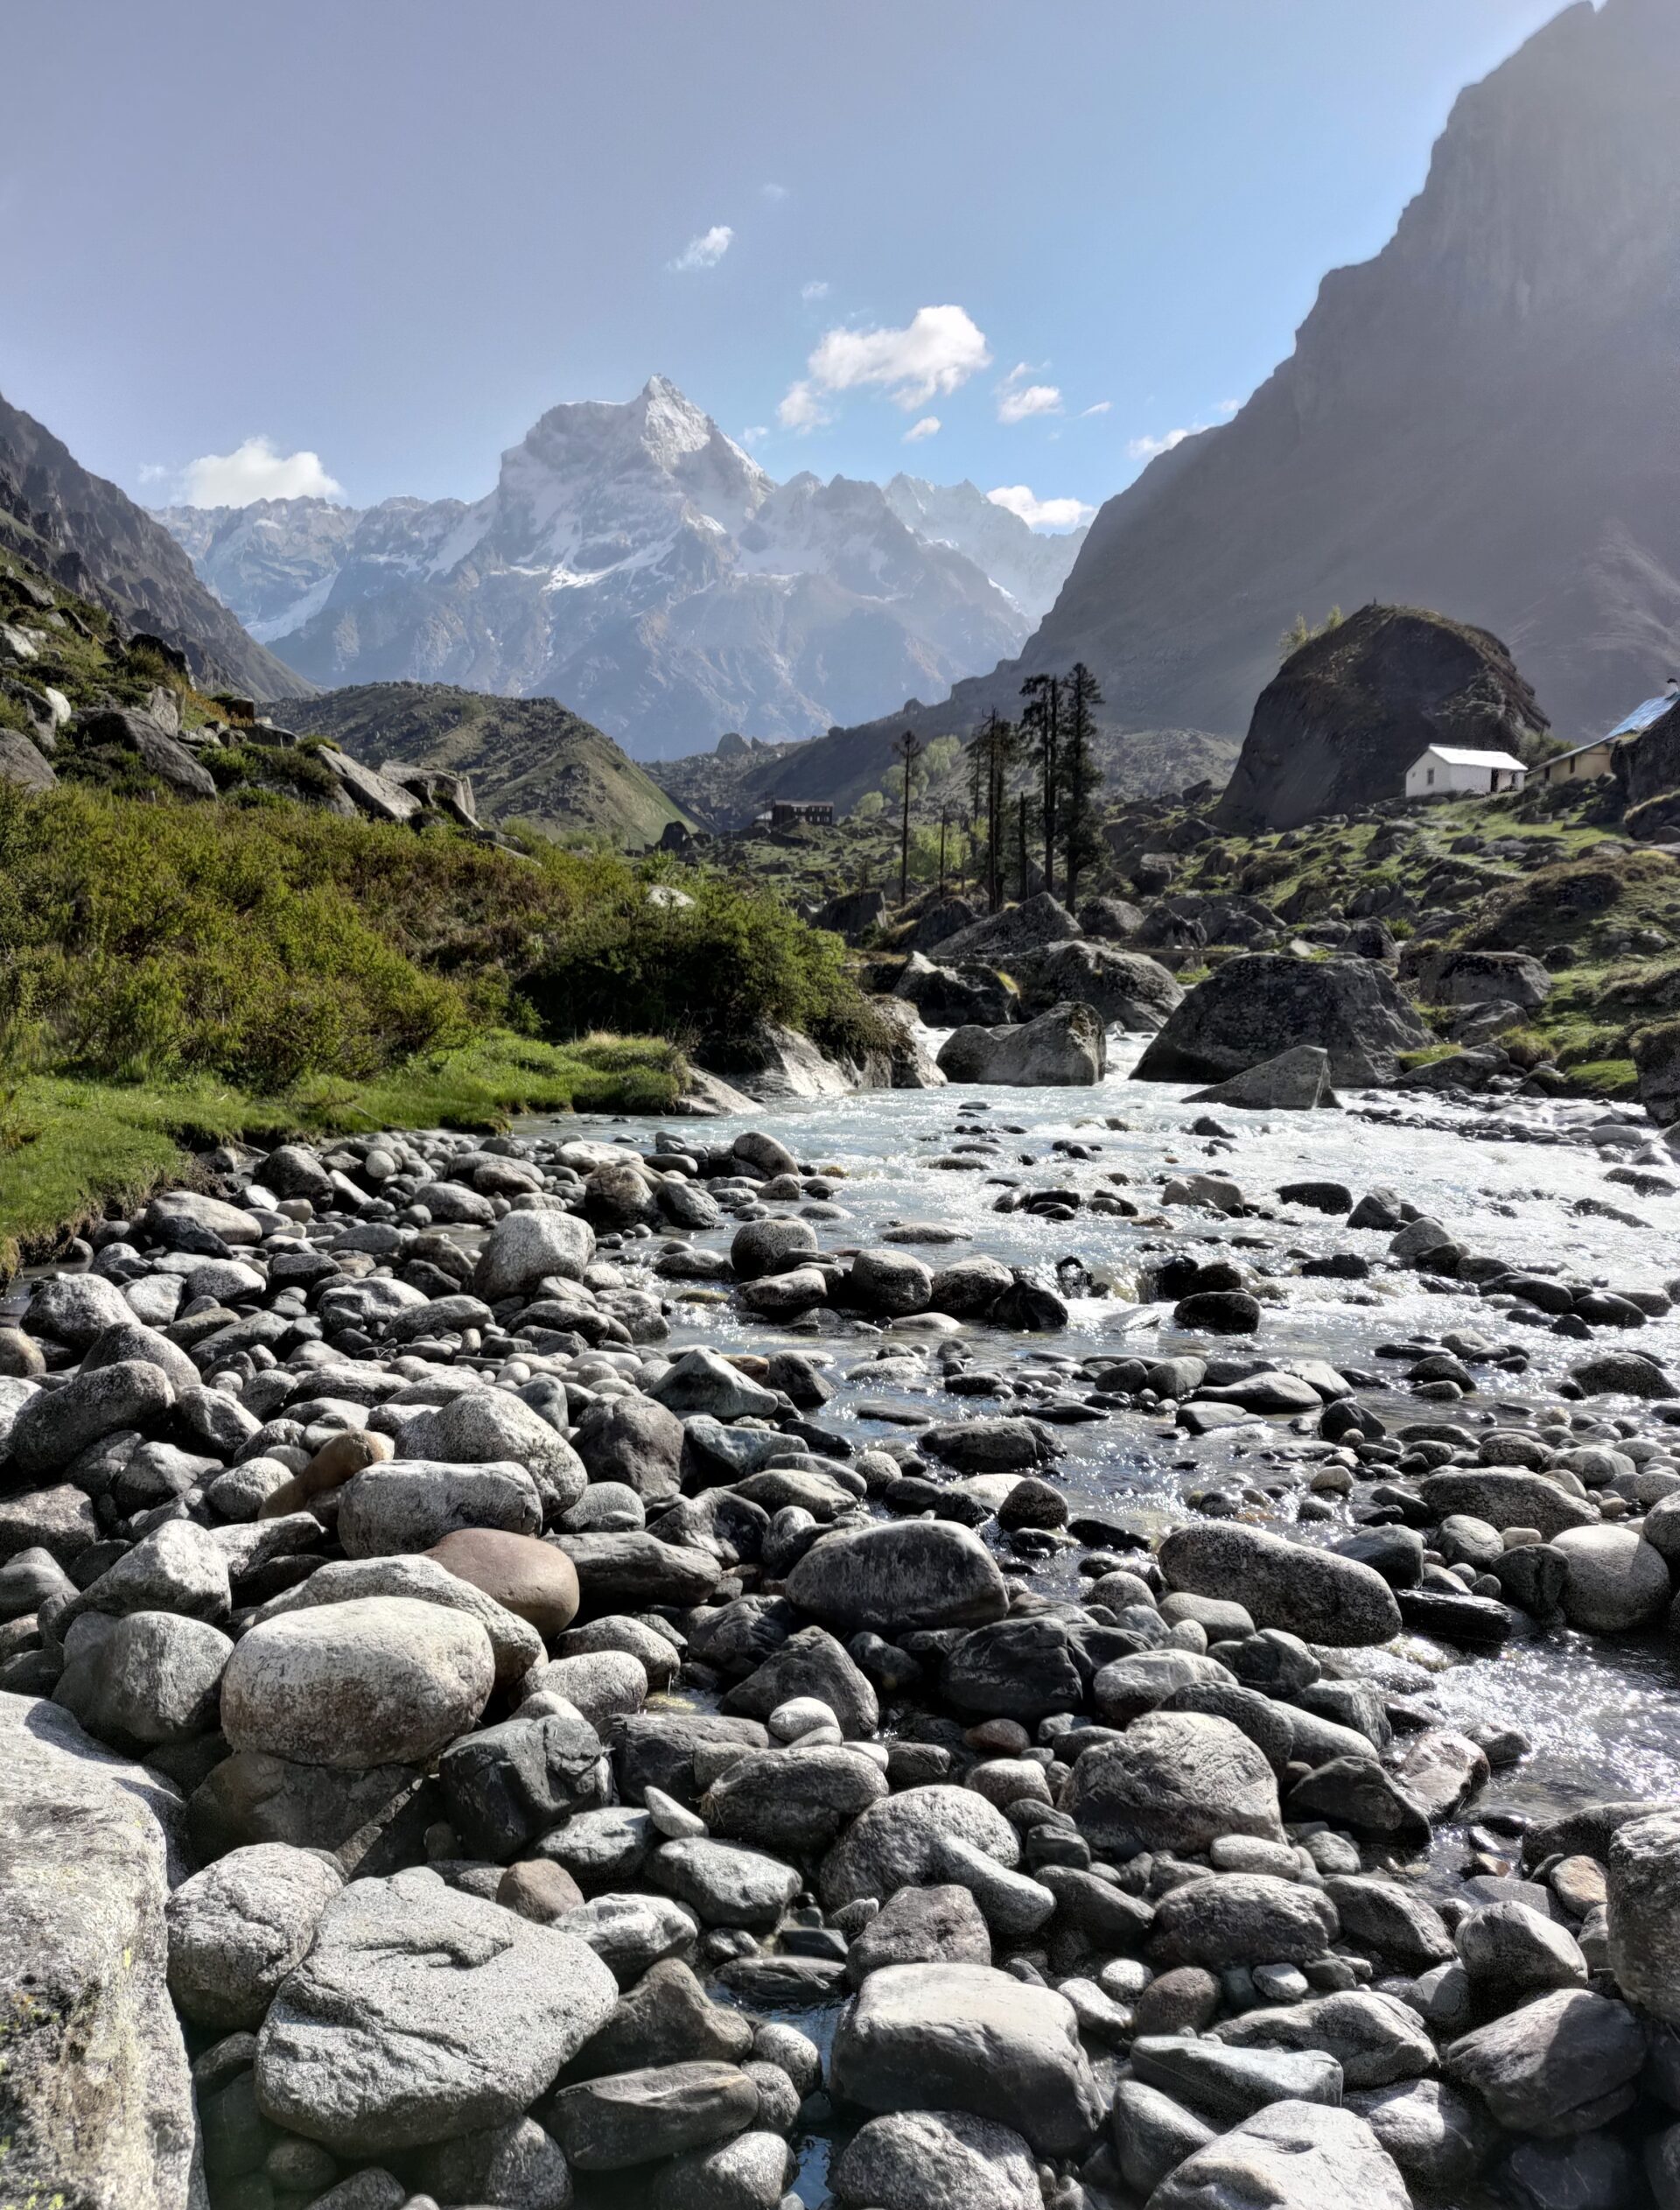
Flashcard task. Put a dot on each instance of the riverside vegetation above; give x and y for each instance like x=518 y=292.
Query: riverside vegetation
x=202 y=937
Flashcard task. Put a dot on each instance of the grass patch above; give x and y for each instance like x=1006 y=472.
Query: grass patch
x=74 y=1146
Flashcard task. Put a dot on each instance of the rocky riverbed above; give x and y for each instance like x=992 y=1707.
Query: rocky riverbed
x=963 y=1649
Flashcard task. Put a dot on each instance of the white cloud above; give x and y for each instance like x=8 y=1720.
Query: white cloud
x=938 y=349
x=816 y=289
x=802 y=409
x=1040 y=513
x=153 y=472
x=255 y=470
x=927 y=427
x=1018 y=403
x=757 y=431
x=705 y=251
x=773 y=192
x=1101 y=407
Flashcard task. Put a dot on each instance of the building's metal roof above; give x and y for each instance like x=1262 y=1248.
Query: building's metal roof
x=1457 y=757
x=1641 y=718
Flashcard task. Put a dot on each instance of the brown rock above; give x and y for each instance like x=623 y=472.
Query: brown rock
x=537 y=1889
x=534 y=1580
x=331 y=1467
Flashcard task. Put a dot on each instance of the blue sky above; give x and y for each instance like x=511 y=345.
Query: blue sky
x=388 y=234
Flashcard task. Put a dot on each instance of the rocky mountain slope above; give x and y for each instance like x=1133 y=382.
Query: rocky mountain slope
x=530 y=759
x=1343 y=718
x=1481 y=420
x=92 y=539
x=634 y=562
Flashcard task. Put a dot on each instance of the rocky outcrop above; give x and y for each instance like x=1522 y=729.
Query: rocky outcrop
x=1256 y=1006
x=1067 y=1047
x=1345 y=717
x=1002 y=937
x=1127 y=989
x=95 y=2099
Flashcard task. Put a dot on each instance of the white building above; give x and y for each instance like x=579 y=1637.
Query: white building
x=1449 y=770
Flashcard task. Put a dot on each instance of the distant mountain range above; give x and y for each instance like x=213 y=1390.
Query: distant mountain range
x=635 y=563
x=91 y=537
x=1484 y=421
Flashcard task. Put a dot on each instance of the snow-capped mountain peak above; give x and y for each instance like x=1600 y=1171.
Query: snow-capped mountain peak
x=635 y=562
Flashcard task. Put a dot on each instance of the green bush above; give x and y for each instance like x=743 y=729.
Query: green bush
x=732 y=957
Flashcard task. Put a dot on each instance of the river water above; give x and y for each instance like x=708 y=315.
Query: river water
x=1603 y=1716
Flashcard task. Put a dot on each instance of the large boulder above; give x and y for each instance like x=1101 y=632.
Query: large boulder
x=420 y=2013
x=1173 y=1780
x=1296 y=1081
x=899 y=1575
x=896 y=1842
x=1264 y=1003
x=1307 y=2156
x=963 y=2037
x=1002 y=937
x=1644 y=1912
x=379 y=1681
x=1311 y=1592
x=1483 y=978
x=1562 y=2065
x=948 y=997
x=237 y=1929
x=1347 y=714
x=95 y=2096
x=937 y=2160
x=525 y=1248
x=1066 y=1047
x=1127 y=989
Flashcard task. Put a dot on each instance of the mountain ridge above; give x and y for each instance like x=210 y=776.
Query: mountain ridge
x=635 y=562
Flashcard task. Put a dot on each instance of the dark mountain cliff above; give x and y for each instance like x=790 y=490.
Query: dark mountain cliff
x=91 y=537
x=1481 y=420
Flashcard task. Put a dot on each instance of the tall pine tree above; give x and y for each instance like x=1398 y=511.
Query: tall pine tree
x=1080 y=776
x=1041 y=726
x=993 y=754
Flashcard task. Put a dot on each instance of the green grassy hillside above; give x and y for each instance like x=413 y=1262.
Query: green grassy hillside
x=530 y=759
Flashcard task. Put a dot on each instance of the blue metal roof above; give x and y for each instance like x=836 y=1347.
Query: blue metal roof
x=1641 y=717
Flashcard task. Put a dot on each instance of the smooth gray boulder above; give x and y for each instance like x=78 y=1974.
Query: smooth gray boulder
x=1296 y=1081
x=420 y=2013
x=937 y=2160
x=1615 y=1582
x=517 y=1645
x=237 y=1929
x=899 y=1576
x=1375 y=2038
x=1127 y=989
x=482 y=1426
x=407 y=1505
x=963 y=2036
x=1565 y=2063
x=1305 y=2156
x=1643 y=1910
x=1173 y=1780
x=376 y=1681
x=97 y=2103
x=1065 y=1048
x=525 y=1248
x=145 y=1679
x=1312 y=1593
x=1440 y=2137
x=57 y=1425
x=893 y=1844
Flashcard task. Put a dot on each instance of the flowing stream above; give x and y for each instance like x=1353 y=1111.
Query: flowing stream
x=1517 y=1183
